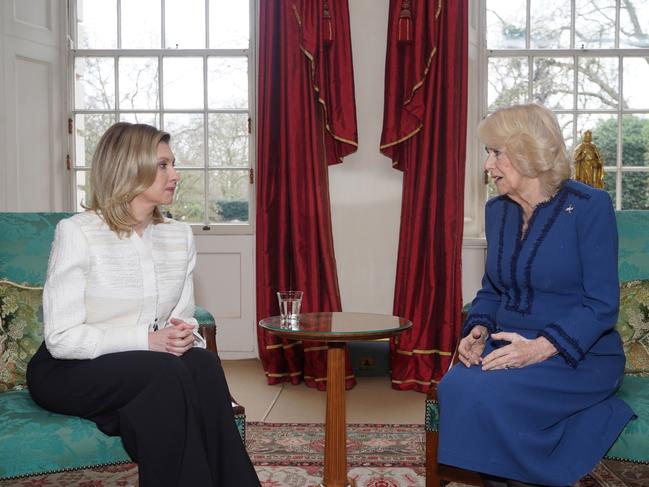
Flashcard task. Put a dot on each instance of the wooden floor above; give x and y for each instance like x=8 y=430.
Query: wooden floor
x=371 y=401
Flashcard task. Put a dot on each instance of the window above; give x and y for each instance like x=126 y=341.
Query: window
x=185 y=66
x=588 y=60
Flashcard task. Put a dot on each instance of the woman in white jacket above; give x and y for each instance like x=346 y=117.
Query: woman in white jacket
x=121 y=346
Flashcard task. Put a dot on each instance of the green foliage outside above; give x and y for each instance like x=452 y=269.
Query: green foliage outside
x=635 y=152
x=225 y=211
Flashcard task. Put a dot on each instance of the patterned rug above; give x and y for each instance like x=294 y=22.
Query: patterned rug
x=290 y=455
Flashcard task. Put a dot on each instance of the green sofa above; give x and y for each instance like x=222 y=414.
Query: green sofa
x=633 y=324
x=32 y=440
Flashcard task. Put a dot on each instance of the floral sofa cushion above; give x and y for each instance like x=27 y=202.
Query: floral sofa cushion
x=21 y=331
x=633 y=325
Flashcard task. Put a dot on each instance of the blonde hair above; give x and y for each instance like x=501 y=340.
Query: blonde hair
x=531 y=137
x=124 y=165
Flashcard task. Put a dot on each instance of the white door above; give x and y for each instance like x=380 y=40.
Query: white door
x=32 y=101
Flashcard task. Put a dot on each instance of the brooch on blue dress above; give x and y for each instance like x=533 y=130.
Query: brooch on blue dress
x=569 y=209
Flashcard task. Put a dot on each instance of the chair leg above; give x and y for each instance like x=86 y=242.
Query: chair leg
x=432 y=468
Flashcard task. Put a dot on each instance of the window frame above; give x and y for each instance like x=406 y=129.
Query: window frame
x=203 y=228
x=476 y=193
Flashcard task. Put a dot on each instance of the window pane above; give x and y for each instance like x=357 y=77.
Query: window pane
x=229 y=196
x=187 y=134
x=604 y=130
x=634 y=23
x=183 y=83
x=189 y=201
x=636 y=74
x=96 y=24
x=82 y=189
x=138 y=83
x=94 y=83
x=566 y=122
x=550 y=24
x=229 y=24
x=609 y=185
x=491 y=189
x=506 y=24
x=88 y=128
x=595 y=24
x=141 y=24
x=553 y=82
x=227 y=82
x=635 y=191
x=635 y=140
x=508 y=81
x=185 y=24
x=147 y=118
x=228 y=139
x=597 y=83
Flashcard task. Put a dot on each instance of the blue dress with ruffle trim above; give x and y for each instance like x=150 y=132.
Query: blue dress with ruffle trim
x=551 y=422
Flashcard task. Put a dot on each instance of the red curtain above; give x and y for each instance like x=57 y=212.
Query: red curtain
x=424 y=133
x=307 y=120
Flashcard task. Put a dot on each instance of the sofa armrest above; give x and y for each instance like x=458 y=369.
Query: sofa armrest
x=203 y=316
x=206 y=327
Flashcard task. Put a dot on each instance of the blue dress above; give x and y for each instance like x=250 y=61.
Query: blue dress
x=551 y=422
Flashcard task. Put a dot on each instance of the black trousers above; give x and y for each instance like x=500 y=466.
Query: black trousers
x=173 y=413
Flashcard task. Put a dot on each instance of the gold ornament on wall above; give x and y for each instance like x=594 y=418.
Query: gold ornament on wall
x=589 y=164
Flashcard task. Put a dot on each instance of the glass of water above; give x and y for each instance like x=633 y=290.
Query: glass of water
x=289 y=305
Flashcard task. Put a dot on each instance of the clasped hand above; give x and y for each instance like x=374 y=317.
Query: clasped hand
x=176 y=339
x=519 y=353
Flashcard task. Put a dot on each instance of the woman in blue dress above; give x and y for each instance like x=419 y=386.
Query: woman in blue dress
x=532 y=402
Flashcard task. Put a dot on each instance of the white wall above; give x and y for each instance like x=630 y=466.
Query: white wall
x=366 y=191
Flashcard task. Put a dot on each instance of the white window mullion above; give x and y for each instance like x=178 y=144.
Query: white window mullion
x=163 y=27
x=575 y=100
x=206 y=215
x=160 y=91
x=573 y=23
x=617 y=23
x=528 y=23
x=618 y=151
x=207 y=24
x=119 y=24
x=530 y=77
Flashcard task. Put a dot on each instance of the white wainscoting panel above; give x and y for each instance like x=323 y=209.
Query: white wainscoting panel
x=224 y=285
x=34 y=14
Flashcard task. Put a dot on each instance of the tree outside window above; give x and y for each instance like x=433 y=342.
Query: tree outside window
x=180 y=65
x=588 y=60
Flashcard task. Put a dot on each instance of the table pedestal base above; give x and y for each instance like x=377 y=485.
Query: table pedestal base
x=335 y=454
x=336 y=328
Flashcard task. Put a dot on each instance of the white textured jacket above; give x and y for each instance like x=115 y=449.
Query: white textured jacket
x=103 y=293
